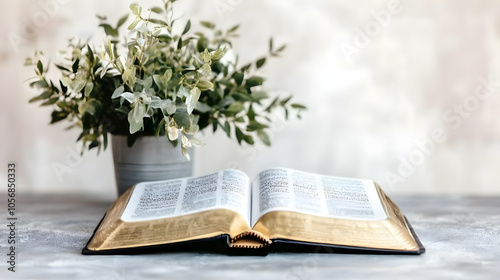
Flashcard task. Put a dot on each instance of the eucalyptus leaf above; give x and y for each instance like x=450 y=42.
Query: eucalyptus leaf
x=187 y=27
x=298 y=106
x=158 y=80
x=136 y=9
x=121 y=21
x=207 y=24
x=203 y=107
x=157 y=10
x=39 y=66
x=235 y=108
x=109 y=30
x=134 y=24
x=182 y=118
x=44 y=95
x=89 y=87
x=204 y=85
x=239 y=134
x=260 y=62
x=51 y=101
x=233 y=29
x=254 y=81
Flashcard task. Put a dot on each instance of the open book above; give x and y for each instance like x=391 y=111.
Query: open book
x=281 y=209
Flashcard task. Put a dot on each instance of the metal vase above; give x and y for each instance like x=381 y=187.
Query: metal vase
x=149 y=159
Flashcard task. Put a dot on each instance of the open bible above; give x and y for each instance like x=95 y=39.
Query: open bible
x=282 y=209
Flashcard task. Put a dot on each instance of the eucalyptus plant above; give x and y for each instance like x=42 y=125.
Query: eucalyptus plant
x=155 y=81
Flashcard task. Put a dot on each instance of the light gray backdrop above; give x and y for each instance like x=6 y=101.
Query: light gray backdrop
x=402 y=92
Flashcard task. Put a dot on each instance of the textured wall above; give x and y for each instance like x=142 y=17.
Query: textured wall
x=402 y=92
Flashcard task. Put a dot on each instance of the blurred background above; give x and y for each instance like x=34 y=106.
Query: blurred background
x=402 y=92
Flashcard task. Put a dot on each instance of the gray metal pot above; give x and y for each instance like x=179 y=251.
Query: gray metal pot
x=149 y=159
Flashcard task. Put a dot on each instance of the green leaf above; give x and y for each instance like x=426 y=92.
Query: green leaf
x=228 y=100
x=298 y=106
x=214 y=126
x=218 y=54
x=242 y=96
x=259 y=95
x=90 y=54
x=88 y=88
x=75 y=65
x=89 y=137
x=44 y=95
x=121 y=21
x=264 y=137
x=51 y=101
x=105 y=140
x=60 y=67
x=207 y=24
x=219 y=92
x=136 y=118
x=58 y=116
x=187 y=27
x=134 y=23
x=63 y=88
x=255 y=125
x=202 y=44
x=136 y=9
x=271 y=45
x=246 y=67
x=40 y=84
x=63 y=105
x=238 y=77
x=54 y=88
x=235 y=108
x=227 y=128
x=160 y=126
x=158 y=21
x=282 y=48
x=254 y=81
x=28 y=61
x=93 y=144
x=192 y=99
x=157 y=10
x=39 y=66
x=239 y=135
x=285 y=101
x=268 y=109
x=182 y=119
x=251 y=113
x=248 y=139
x=109 y=30
x=218 y=67
x=204 y=85
x=179 y=44
x=165 y=38
x=233 y=29
x=203 y=107
x=260 y=62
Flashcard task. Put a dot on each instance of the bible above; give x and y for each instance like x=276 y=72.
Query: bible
x=281 y=210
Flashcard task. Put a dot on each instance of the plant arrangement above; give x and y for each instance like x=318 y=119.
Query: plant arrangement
x=159 y=82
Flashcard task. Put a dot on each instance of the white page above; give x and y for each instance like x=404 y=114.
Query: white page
x=281 y=189
x=227 y=189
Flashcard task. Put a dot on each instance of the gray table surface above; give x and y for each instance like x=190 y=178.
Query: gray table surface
x=461 y=235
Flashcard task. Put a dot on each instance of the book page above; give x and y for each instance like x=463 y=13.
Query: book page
x=228 y=189
x=281 y=189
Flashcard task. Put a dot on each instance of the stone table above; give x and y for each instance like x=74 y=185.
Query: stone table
x=461 y=235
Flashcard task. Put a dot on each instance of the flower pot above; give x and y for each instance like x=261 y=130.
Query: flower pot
x=149 y=159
